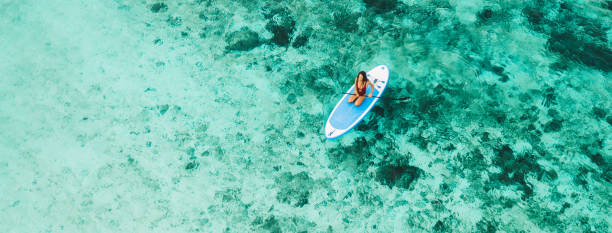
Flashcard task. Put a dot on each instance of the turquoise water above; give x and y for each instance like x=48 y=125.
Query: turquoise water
x=208 y=116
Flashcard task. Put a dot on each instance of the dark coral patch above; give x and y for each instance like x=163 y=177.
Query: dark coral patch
x=488 y=16
x=345 y=21
x=550 y=98
x=582 y=178
x=397 y=174
x=599 y=112
x=553 y=126
x=381 y=6
x=163 y=108
x=282 y=25
x=486 y=226
x=485 y=14
x=291 y=98
x=580 y=50
x=514 y=169
x=192 y=165
x=430 y=105
x=576 y=37
x=500 y=72
x=272 y=225
x=159 y=7
x=440 y=227
x=300 y=41
x=593 y=151
x=597 y=159
x=533 y=14
x=358 y=152
x=295 y=189
x=282 y=34
x=174 y=21
x=242 y=40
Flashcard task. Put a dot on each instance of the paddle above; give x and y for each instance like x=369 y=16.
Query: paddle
x=403 y=98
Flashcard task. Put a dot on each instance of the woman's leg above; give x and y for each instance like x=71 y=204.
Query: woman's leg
x=359 y=100
x=352 y=98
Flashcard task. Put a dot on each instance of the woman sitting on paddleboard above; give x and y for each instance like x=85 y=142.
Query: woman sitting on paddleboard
x=361 y=85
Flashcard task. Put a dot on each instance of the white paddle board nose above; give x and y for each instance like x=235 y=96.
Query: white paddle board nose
x=331 y=132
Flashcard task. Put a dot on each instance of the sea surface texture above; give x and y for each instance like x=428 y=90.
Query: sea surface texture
x=209 y=115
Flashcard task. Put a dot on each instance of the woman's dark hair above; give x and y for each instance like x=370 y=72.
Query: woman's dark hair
x=363 y=73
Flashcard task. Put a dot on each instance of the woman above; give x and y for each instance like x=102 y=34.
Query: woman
x=361 y=85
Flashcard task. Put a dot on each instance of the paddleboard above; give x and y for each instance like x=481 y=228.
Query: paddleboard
x=346 y=115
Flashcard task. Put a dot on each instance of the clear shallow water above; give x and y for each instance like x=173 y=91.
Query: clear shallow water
x=208 y=116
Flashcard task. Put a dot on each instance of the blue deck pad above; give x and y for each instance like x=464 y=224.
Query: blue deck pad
x=346 y=113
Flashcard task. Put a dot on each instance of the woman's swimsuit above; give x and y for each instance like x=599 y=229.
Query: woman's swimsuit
x=361 y=91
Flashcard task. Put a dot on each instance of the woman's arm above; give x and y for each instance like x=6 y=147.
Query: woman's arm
x=355 y=88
